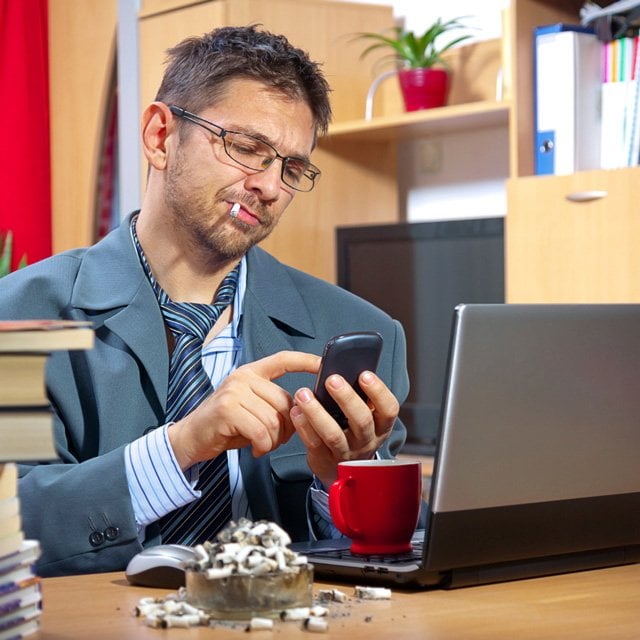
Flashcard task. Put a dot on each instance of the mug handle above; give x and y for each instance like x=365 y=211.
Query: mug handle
x=339 y=505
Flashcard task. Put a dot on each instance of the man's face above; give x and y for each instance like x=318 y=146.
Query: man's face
x=203 y=183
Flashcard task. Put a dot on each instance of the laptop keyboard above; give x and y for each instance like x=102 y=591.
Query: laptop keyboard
x=415 y=555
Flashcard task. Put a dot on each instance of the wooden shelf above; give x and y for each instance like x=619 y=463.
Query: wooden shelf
x=413 y=124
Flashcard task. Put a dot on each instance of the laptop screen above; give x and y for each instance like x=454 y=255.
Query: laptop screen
x=540 y=438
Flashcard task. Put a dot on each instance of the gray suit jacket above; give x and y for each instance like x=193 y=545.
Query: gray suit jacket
x=106 y=397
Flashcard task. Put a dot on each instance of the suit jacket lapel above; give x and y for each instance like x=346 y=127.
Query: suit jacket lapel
x=112 y=287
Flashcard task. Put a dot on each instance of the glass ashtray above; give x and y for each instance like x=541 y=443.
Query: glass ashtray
x=241 y=597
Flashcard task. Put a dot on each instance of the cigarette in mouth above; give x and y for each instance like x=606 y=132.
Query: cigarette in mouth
x=234 y=210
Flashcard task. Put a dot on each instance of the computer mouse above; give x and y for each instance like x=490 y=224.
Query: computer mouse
x=162 y=566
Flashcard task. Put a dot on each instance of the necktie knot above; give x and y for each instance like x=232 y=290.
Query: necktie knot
x=197 y=319
x=190 y=318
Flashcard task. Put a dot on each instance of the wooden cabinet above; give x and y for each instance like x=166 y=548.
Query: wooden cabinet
x=568 y=238
x=574 y=238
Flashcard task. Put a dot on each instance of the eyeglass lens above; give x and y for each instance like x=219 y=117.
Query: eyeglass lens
x=255 y=154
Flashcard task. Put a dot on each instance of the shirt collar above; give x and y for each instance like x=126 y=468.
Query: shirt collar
x=238 y=300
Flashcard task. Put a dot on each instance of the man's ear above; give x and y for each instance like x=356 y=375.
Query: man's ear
x=157 y=124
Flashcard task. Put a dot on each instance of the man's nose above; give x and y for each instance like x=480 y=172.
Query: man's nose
x=267 y=182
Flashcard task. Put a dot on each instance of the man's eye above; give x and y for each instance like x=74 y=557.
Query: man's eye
x=246 y=145
x=245 y=148
x=295 y=169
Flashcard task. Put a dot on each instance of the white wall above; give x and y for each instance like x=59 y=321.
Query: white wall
x=483 y=15
x=459 y=175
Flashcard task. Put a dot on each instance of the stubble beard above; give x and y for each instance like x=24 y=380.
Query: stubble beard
x=206 y=225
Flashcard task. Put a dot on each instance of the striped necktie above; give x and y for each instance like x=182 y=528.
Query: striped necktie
x=189 y=384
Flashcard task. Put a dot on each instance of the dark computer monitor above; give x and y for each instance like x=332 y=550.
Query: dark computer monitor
x=418 y=273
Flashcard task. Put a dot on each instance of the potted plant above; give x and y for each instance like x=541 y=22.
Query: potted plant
x=422 y=72
x=6 y=249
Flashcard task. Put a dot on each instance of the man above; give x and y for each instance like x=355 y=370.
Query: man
x=228 y=141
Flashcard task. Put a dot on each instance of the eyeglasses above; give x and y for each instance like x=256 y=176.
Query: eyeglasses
x=255 y=154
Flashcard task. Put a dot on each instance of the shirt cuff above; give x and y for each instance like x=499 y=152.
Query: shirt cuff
x=321 y=526
x=156 y=483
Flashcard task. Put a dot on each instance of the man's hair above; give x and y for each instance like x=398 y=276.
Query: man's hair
x=199 y=69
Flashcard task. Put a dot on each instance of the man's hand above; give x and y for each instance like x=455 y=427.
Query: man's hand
x=370 y=423
x=246 y=409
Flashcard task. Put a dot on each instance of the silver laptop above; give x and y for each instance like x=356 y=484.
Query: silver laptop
x=537 y=467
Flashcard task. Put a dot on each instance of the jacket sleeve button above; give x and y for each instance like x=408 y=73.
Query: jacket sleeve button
x=111 y=533
x=96 y=538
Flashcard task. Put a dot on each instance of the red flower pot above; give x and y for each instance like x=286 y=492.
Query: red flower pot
x=424 y=88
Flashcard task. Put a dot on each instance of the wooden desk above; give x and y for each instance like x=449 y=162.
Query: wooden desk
x=581 y=606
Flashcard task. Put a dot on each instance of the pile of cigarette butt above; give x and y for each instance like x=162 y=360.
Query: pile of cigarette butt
x=247 y=548
x=174 y=611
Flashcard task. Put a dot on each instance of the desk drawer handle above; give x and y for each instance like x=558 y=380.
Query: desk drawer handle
x=587 y=196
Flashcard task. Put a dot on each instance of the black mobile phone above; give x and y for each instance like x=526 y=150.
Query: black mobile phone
x=349 y=355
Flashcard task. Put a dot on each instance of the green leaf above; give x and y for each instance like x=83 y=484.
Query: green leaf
x=6 y=249
x=6 y=242
x=414 y=51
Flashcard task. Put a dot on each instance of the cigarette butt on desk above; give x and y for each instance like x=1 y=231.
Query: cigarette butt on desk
x=297 y=613
x=318 y=611
x=373 y=593
x=315 y=625
x=260 y=624
x=332 y=595
x=180 y=621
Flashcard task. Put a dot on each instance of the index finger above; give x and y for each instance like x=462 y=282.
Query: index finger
x=278 y=364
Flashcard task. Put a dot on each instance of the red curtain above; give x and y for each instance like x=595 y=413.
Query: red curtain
x=25 y=167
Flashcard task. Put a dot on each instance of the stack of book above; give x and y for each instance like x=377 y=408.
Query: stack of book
x=26 y=421
x=20 y=595
x=586 y=100
x=620 y=131
x=26 y=435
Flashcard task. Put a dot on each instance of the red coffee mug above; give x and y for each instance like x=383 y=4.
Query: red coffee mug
x=376 y=503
